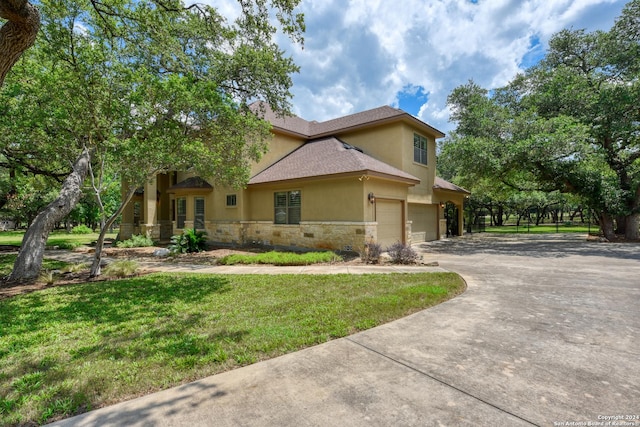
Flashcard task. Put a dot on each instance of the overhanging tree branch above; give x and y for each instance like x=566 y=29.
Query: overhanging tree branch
x=18 y=34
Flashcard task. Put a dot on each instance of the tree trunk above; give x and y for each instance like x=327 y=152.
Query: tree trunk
x=29 y=261
x=606 y=225
x=18 y=34
x=632 y=222
x=621 y=224
x=632 y=227
x=539 y=216
x=97 y=259
x=499 y=218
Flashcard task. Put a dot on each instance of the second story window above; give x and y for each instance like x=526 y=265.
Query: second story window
x=419 y=149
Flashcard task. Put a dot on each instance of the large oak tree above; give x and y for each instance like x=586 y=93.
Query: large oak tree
x=147 y=87
x=570 y=124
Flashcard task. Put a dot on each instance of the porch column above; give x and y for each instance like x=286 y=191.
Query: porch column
x=151 y=227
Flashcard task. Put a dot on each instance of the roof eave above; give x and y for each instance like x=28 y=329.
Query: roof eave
x=278 y=129
x=401 y=117
x=448 y=190
x=355 y=174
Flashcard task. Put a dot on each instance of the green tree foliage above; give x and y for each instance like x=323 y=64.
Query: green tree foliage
x=146 y=87
x=569 y=124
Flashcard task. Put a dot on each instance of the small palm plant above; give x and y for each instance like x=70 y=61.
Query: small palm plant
x=189 y=241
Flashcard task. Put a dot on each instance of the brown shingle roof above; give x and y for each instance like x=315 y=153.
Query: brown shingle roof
x=293 y=124
x=441 y=184
x=191 y=183
x=325 y=157
x=355 y=120
x=315 y=129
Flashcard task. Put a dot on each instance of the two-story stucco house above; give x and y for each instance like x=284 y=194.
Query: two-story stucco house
x=337 y=184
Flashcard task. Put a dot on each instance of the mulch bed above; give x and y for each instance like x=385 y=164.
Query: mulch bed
x=208 y=257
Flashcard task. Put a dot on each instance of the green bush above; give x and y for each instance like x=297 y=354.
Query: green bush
x=281 y=258
x=188 y=242
x=81 y=229
x=136 y=241
x=68 y=245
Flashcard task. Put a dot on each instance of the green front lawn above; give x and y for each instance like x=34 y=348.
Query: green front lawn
x=56 y=238
x=7 y=260
x=70 y=349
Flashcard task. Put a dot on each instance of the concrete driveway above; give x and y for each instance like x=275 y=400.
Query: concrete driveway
x=547 y=333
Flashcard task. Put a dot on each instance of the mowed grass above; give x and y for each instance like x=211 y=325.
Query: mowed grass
x=56 y=238
x=70 y=349
x=7 y=260
x=543 y=229
x=280 y=258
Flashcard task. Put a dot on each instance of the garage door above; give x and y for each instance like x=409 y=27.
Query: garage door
x=390 y=223
x=424 y=222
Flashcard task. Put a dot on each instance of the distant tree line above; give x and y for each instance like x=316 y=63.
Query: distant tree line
x=569 y=125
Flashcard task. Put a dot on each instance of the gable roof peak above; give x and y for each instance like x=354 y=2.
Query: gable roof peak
x=315 y=129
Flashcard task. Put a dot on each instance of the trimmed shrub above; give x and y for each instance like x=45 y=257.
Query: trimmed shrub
x=371 y=253
x=402 y=254
x=81 y=229
x=188 y=242
x=136 y=241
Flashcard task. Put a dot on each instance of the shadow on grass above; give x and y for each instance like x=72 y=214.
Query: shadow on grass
x=46 y=336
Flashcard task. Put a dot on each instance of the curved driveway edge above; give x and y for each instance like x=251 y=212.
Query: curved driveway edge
x=547 y=333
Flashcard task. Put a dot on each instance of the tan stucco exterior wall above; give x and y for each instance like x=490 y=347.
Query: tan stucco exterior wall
x=279 y=146
x=379 y=142
x=344 y=200
x=338 y=199
x=421 y=193
x=393 y=144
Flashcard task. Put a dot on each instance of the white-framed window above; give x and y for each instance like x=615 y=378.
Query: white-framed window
x=232 y=200
x=181 y=211
x=419 y=149
x=287 y=205
x=198 y=217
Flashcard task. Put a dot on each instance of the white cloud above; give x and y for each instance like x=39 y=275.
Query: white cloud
x=361 y=54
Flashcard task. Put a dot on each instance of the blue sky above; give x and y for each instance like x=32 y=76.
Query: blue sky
x=361 y=54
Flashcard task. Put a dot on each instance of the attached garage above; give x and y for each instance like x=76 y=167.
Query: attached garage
x=424 y=222
x=390 y=219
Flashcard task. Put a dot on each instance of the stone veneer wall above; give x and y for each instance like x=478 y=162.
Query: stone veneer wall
x=224 y=232
x=333 y=235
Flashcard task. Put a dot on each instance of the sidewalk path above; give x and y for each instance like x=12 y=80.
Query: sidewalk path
x=337 y=268
x=546 y=334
